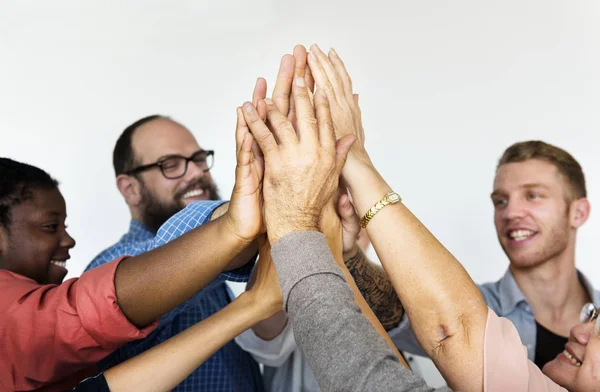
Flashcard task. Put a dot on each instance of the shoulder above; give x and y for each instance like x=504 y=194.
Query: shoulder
x=125 y=247
x=491 y=294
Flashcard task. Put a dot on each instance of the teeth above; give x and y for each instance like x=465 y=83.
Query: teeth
x=571 y=358
x=194 y=193
x=62 y=264
x=520 y=235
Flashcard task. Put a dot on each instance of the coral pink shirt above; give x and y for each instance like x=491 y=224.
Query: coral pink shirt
x=50 y=332
x=505 y=363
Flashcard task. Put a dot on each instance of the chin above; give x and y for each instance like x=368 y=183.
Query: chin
x=559 y=373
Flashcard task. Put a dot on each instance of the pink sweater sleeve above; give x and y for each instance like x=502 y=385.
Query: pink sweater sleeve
x=48 y=332
x=506 y=366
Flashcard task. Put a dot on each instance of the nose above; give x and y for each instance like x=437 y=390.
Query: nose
x=514 y=209
x=581 y=332
x=67 y=241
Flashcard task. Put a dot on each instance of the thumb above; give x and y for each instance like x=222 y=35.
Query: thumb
x=350 y=222
x=342 y=147
x=344 y=207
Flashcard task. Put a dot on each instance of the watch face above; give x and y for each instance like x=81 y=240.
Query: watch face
x=394 y=197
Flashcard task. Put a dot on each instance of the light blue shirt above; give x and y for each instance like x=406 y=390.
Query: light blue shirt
x=506 y=299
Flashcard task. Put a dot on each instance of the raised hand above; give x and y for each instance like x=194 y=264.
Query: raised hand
x=302 y=170
x=350 y=226
x=245 y=208
x=333 y=79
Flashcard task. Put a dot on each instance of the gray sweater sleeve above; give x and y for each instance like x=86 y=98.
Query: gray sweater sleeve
x=343 y=349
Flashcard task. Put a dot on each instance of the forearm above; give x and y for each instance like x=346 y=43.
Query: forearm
x=328 y=325
x=163 y=367
x=367 y=311
x=446 y=309
x=270 y=328
x=376 y=288
x=152 y=284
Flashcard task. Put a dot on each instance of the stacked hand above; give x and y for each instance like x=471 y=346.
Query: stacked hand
x=291 y=151
x=301 y=170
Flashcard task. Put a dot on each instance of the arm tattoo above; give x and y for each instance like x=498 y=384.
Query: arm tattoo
x=376 y=288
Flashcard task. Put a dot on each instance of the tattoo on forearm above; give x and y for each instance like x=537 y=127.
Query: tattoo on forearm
x=376 y=288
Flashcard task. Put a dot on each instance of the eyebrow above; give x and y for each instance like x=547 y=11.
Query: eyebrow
x=51 y=214
x=176 y=155
x=524 y=186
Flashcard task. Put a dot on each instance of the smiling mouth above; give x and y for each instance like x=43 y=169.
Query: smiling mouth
x=571 y=358
x=61 y=264
x=193 y=193
x=521 y=235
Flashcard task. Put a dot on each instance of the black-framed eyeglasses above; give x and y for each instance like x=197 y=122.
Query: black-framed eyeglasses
x=175 y=166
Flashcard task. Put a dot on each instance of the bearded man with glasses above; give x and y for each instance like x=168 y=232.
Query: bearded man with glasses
x=164 y=177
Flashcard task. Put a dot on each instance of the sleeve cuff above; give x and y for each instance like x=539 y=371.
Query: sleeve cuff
x=100 y=313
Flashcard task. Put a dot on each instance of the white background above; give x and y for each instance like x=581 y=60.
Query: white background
x=445 y=87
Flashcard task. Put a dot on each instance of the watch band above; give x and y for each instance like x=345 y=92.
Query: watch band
x=390 y=198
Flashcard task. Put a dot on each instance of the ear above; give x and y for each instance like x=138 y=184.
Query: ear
x=131 y=189
x=579 y=212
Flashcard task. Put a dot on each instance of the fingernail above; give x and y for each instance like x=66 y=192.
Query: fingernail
x=248 y=107
x=317 y=49
x=333 y=52
x=312 y=57
x=269 y=101
x=300 y=82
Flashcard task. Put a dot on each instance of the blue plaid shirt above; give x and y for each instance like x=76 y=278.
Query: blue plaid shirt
x=230 y=368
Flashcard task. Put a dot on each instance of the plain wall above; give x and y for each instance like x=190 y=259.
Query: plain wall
x=445 y=87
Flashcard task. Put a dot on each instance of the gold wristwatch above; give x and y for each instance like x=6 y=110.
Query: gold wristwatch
x=390 y=198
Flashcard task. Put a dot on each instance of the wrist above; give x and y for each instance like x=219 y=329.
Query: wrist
x=260 y=305
x=219 y=211
x=351 y=253
x=228 y=229
x=284 y=230
x=286 y=224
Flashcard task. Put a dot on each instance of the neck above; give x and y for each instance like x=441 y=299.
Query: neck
x=553 y=289
x=137 y=216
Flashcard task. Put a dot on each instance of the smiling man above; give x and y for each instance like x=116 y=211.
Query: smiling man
x=160 y=170
x=540 y=201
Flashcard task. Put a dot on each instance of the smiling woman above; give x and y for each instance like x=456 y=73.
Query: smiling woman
x=34 y=240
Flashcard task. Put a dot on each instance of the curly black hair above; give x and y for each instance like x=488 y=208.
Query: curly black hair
x=17 y=181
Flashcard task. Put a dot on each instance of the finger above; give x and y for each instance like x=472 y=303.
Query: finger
x=320 y=76
x=345 y=208
x=355 y=98
x=324 y=121
x=261 y=107
x=241 y=129
x=282 y=127
x=300 y=58
x=263 y=136
x=330 y=71
x=283 y=85
x=260 y=91
x=342 y=72
x=342 y=148
x=306 y=121
x=310 y=81
x=243 y=147
x=245 y=152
